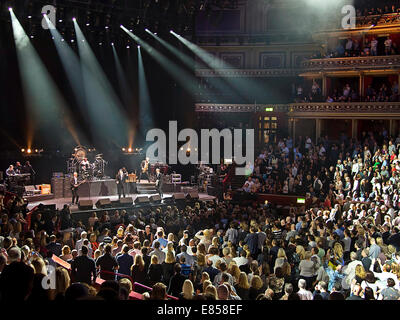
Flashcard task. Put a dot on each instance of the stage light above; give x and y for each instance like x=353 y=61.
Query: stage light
x=60 y=20
x=127 y=47
x=87 y=24
x=112 y=43
x=72 y=40
x=36 y=150
x=100 y=44
x=123 y=149
x=130 y=150
x=29 y=151
x=138 y=46
x=22 y=150
x=30 y=17
x=10 y=9
x=74 y=19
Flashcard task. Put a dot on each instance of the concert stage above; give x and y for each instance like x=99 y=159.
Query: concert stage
x=74 y=208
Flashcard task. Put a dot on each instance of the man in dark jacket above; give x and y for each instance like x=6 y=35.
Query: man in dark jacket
x=83 y=267
x=107 y=263
x=53 y=246
x=176 y=282
x=252 y=241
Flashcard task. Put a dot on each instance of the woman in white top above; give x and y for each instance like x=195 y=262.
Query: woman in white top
x=371 y=282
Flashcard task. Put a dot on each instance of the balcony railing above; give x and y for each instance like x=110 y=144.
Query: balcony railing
x=305 y=109
x=349 y=107
x=351 y=63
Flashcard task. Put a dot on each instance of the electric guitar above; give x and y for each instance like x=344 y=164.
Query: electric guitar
x=76 y=186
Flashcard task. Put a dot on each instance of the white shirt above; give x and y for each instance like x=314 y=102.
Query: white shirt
x=305 y=294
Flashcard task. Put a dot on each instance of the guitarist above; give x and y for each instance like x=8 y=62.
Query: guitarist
x=145 y=169
x=74 y=182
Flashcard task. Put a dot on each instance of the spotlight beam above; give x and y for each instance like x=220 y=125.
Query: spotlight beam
x=145 y=106
x=183 y=77
x=46 y=107
x=218 y=83
x=244 y=87
x=108 y=119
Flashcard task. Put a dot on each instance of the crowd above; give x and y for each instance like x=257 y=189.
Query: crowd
x=373 y=93
x=344 y=244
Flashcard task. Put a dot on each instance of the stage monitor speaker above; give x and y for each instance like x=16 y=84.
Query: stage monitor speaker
x=192 y=196
x=126 y=202
x=155 y=198
x=142 y=200
x=178 y=196
x=103 y=203
x=85 y=204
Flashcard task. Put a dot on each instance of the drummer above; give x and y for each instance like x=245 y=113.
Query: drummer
x=85 y=164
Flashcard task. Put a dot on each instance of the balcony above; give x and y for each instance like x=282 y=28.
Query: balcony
x=353 y=63
x=345 y=110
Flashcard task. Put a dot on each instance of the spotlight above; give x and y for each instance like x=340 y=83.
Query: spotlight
x=60 y=20
x=22 y=150
x=170 y=31
x=112 y=43
x=30 y=17
x=87 y=24
x=36 y=150
x=147 y=30
x=10 y=9
x=72 y=40
x=129 y=149
x=29 y=151
x=74 y=19
x=100 y=43
x=138 y=46
x=123 y=149
x=127 y=47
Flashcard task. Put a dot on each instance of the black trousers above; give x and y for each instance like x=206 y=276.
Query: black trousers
x=144 y=174
x=121 y=189
x=75 y=195
x=159 y=189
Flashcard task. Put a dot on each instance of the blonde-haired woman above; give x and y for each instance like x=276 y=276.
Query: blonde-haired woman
x=206 y=283
x=187 y=290
x=211 y=292
x=234 y=271
x=338 y=254
x=256 y=287
x=63 y=281
x=168 y=266
x=280 y=258
x=138 y=271
x=243 y=287
x=205 y=237
x=39 y=266
x=66 y=253
x=301 y=252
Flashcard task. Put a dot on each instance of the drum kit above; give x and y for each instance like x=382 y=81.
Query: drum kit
x=87 y=170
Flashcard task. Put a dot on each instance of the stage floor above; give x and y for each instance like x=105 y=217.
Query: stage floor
x=61 y=201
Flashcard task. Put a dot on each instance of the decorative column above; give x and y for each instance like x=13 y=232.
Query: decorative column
x=317 y=129
x=354 y=128
x=361 y=84
x=324 y=85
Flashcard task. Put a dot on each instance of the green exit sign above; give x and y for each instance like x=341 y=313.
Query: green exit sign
x=269 y=109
